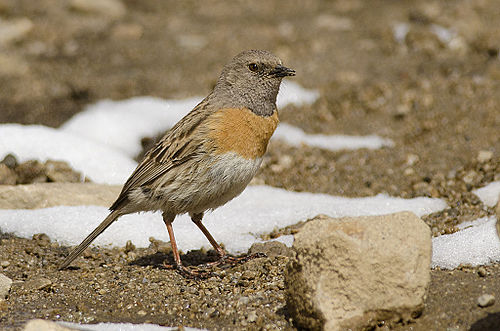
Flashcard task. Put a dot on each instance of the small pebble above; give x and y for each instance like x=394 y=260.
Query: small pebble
x=243 y=301
x=486 y=300
x=37 y=284
x=141 y=313
x=4 y=264
x=10 y=161
x=131 y=256
x=484 y=156
x=481 y=271
x=252 y=316
x=5 y=285
x=3 y=305
x=129 y=246
x=409 y=172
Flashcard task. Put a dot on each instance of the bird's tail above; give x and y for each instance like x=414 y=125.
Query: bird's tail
x=86 y=242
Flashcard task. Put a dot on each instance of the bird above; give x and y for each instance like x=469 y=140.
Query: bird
x=209 y=156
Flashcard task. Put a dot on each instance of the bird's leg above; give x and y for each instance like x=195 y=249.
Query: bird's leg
x=223 y=256
x=168 y=219
x=196 y=218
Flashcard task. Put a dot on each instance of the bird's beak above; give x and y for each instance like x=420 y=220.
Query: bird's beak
x=281 y=71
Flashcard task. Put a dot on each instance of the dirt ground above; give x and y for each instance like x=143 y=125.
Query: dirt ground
x=425 y=74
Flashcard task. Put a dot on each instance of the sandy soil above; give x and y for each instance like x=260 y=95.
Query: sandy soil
x=435 y=94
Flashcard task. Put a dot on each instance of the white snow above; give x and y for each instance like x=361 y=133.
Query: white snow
x=122 y=124
x=292 y=93
x=296 y=137
x=476 y=244
x=121 y=327
x=489 y=194
x=94 y=160
x=238 y=224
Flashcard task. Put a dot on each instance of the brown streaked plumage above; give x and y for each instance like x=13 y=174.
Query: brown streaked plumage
x=210 y=155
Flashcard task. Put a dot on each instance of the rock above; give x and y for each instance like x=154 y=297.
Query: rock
x=355 y=271
x=41 y=239
x=7 y=175
x=31 y=172
x=10 y=161
x=44 y=195
x=109 y=8
x=411 y=159
x=14 y=30
x=284 y=163
x=252 y=316
x=42 y=325
x=37 y=284
x=3 y=306
x=60 y=171
x=127 y=31
x=470 y=177
x=409 y=172
x=271 y=249
x=160 y=246
x=484 y=156
x=5 y=284
x=486 y=300
x=129 y=246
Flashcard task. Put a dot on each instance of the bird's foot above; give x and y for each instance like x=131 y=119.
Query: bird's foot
x=201 y=272
x=190 y=272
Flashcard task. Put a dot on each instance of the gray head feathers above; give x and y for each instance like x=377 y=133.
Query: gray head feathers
x=252 y=80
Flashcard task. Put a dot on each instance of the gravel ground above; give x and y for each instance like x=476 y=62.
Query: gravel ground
x=434 y=92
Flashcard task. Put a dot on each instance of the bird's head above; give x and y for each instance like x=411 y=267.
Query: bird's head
x=253 y=78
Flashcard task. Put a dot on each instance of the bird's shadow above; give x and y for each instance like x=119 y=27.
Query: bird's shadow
x=489 y=323
x=191 y=259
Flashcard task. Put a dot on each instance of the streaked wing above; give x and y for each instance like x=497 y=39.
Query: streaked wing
x=178 y=145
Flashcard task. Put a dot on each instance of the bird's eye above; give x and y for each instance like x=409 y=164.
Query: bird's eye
x=253 y=67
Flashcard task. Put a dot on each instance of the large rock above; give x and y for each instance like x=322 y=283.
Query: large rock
x=350 y=273
x=5 y=284
x=44 y=195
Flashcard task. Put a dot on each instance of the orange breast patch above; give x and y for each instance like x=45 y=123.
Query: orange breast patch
x=242 y=131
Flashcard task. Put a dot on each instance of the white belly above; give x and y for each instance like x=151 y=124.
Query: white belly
x=228 y=177
x=200 y=188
